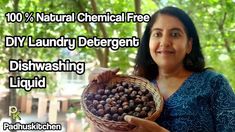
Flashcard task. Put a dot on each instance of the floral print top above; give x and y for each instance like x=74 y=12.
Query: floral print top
x=205 y=102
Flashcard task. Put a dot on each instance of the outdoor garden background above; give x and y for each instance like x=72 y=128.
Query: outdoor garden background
x=214 y=19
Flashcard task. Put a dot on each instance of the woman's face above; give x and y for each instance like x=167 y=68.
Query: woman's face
x=168 y=42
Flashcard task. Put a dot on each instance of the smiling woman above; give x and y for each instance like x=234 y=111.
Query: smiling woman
x=168 y=42
x=173 y=61
x=195 y=98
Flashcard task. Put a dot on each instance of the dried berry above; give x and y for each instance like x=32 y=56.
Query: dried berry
x=123 y=98
x=123 y=114
x=108 y=100
x=150 y=104
x=120 y=118
x=130 y=89
x=126 y=108
x=104 y=97
x=144 y=91
x=130 y=113
x=100 y=106
x=118 y=105
x=118 y=84
x=110 y=96
x=93 y=110
x=97 y=97
x=131 y=105
x=127 y=91
x=120 y=110
x=113 y=110
x=149 y=95
x=113 y=91
x=137 y=88
x=107 y=91
x=100 y=91
x=140 y=105
x=144 y=99
x=113 y=99
x=88 y=102
x=138 y=100
x=117 y=97
x=100 y=112
x=115 y=117
x=107 y=116
x=107 y=109
x=145 y=108
x=133 y=93
x=140 y=93
x=136 y=114
x=119 y=101
x=90 y=96
x=121 y=93
x=113 y=103
x=137 y=109
x=142 y=114
x=95 y=102
x=125 y=103
x=102 y=102
x=138 y=96
x=120 y=89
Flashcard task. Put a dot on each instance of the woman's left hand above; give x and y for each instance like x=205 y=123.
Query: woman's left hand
x=143 y=125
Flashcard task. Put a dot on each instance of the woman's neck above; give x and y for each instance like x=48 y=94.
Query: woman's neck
x=177 y=72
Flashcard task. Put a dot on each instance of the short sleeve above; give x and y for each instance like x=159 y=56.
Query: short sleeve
x=223 y=105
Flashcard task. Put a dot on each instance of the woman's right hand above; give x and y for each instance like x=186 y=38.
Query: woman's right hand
x=143 y=125
x=101 y=74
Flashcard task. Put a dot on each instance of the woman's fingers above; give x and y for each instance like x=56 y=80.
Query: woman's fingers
x=115 y=70
x=135 y=121
x=107 y=75
x=102 y=74
x=143 y=124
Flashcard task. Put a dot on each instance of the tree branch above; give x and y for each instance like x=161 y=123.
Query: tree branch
x=101 y=25
x=105 y=59
x=88 y=28
x=221 y=29
x=138 y=11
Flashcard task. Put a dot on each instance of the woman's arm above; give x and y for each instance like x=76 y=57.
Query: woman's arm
x=223 y=105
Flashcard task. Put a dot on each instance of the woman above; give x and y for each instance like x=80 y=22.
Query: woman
x=195 y=98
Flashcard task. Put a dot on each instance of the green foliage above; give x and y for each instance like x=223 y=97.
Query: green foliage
x=79 y=113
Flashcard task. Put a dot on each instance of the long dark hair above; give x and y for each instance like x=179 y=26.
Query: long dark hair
x=194 y=61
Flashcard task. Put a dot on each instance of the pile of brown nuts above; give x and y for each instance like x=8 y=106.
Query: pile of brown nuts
x=114 y=102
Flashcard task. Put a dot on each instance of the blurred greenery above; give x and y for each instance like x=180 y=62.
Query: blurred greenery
x=214 y=19
x=79 y=113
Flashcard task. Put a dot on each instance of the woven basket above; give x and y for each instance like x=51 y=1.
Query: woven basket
x=106 y=125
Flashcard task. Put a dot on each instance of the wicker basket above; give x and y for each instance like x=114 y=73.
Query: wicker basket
x=106 y=125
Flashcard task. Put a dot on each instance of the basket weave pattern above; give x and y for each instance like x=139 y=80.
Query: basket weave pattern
x=105 y=125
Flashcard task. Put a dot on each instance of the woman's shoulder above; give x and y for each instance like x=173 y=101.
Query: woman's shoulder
x=209 y=74
x=213 y=78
